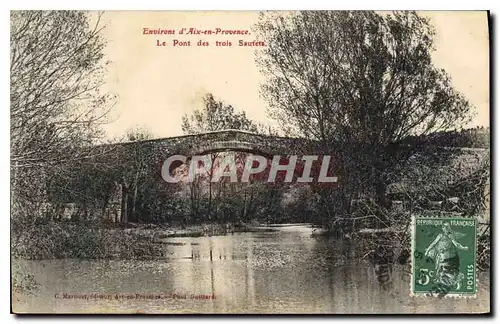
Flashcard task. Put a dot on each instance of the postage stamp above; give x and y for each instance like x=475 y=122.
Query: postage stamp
x=444 y=257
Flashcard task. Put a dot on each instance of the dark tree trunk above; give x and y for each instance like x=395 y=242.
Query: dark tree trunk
x=133 y=216
x=124 y=211
x=381 y=200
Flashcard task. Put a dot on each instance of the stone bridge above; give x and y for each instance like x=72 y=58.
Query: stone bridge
x=232 y=140
x=463 y=162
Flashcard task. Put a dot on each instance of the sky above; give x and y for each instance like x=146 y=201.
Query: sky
x=156 y=85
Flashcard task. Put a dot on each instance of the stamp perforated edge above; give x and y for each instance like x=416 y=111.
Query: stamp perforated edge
x=449 y=295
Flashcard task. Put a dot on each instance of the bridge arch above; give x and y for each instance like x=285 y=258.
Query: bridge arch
x=224 y=141
x=275 y=150
x=227 y=146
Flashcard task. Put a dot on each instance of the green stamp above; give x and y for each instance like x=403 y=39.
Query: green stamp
x=444 y=257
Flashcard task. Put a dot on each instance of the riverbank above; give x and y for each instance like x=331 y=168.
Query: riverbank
x=56 y=240
x=80 y=241
x=211 y=230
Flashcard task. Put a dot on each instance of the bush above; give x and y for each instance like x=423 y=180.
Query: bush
x=56 y=240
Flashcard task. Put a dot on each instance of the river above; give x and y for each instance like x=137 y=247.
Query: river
x=286 y=271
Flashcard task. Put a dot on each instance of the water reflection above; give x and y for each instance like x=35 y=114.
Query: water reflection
x=270 y=272
x=383 y=259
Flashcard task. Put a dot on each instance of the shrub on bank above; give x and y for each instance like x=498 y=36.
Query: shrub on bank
x=62 y=240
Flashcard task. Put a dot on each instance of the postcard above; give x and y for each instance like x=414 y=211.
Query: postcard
x=245 y=162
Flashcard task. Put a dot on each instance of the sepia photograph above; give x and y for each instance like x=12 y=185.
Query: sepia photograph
x=250 y=162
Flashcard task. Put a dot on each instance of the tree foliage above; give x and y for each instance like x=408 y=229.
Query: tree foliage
x=214 y=116
x=56 y=71
x=358 y=74
x=56 y=107
x=359 y=82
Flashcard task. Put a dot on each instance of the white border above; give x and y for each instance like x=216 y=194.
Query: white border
x=193 y=5
x=256 y=5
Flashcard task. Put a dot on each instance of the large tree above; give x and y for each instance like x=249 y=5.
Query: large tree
x=56 y=106
x=360 y=83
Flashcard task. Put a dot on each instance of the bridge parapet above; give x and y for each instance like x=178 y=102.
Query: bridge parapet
x=243 y=141
x=232 y=145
